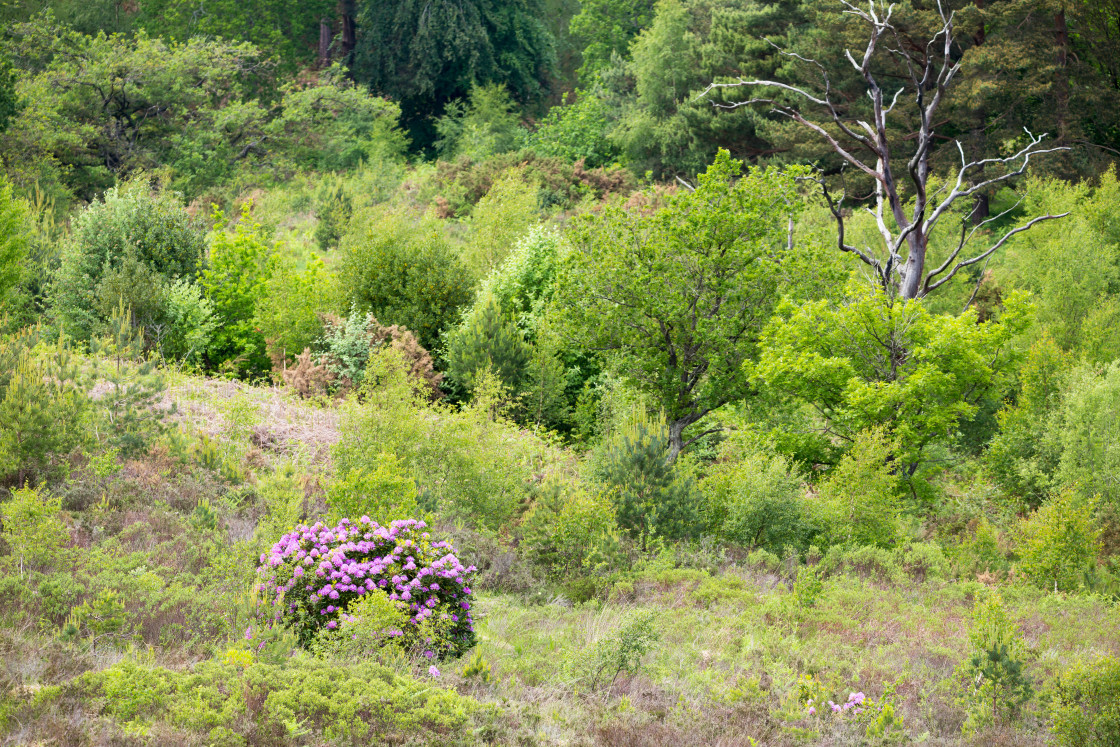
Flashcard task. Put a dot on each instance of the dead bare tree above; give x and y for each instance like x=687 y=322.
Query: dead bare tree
x=900 y=264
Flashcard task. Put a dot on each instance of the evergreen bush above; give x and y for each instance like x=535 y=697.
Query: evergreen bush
x=652 y=496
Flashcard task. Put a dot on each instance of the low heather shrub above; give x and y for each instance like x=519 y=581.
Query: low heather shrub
x=313 y=575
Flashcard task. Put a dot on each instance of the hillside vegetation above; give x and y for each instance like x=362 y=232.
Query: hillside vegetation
x=609 y=372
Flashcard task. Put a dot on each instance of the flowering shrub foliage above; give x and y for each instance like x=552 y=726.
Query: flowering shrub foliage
x=313 y=574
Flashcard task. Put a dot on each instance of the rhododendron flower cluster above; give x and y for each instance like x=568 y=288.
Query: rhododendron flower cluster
x=309 y=578
x=855 y=705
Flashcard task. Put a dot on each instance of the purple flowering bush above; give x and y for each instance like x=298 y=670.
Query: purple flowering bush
x=313 y=575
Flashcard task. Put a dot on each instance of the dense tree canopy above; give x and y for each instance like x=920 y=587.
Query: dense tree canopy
x=427 y=53
x=681 y=296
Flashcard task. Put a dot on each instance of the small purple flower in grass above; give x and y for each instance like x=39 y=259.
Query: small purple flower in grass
x=812 y=711
x=432 y=671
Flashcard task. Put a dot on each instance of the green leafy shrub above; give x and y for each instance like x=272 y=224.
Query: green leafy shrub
x=483 y=124
x=1085 y=711
x=874 y=361
x=123 y=249
x=312 y=575
x=498 y=221
x=34 y=530
x=859 y=497
x=576 y=131
x=652 y=496
x=190 y=323
x=569 y=530
x=384 y=493
x=1088 y=432
x=236 y=280
x=403 y=271
x=238 y=698
x=1059 y=541
x=290 y=313
x=756 y=499
x=618 y=653
x=469 y=464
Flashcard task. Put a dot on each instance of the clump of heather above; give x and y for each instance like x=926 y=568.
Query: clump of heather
x=310 y=578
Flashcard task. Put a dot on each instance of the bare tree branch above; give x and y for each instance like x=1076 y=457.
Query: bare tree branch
x=930 y=71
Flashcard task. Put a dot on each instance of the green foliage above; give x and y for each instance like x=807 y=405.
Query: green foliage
x=875 y=361
x=526 y=280
x=484 y=124
x=860 y=497
x=499 y=221
x=403 y=271
x=606 y=28
x=334 y=125
x=1088 y=432
x=289 y=314
x=653 y=497
x=425 y=56
x=576 y=131
x=468 y=464
x=130 y=406
x=124 y=249
x=998 y=686
x=384 y=494
x=191 y=323
x=236 y=278
x=477 y=667
x=618 y=653
x=352 y=703
x=288 y=30
x=1059 y=541
x=1073 y=291
x=755 y=498
x=14 y=227
x=711 y=253
x=9 y=101
x=1085 y=711
x=90 y=101
x=34 y=530
x=487 y=340
x=42 y=409
x=569 y=530
x=808 y=587
x=1022 y=456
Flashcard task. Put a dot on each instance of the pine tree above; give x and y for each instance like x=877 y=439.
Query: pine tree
x=131 y=410
x=487 y=340
x=42 y=408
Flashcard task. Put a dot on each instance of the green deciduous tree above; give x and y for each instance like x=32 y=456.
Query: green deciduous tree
x=241 y=262
x=288 y=30
x=1059 y=541
x=680 y=296
x=873 y=361
x=606 y=28
x=102 y=105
